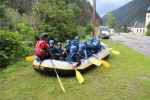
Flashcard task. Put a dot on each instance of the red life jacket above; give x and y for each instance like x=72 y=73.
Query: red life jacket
x=40 y=48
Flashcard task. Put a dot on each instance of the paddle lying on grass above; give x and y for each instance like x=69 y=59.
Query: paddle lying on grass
x=96 y=61
x=59 y=80
x=115 y=52
x=31 y=58
x=79 y=76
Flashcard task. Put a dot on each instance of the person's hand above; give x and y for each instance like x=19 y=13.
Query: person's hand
x=42 y=50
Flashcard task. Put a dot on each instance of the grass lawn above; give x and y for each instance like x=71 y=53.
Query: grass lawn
x=128 y=79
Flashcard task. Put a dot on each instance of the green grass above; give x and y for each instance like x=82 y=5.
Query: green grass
x=128 y=79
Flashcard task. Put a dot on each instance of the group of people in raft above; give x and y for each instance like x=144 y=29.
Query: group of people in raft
x=72 y=51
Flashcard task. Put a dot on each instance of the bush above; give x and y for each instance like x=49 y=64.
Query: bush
x=57 y=17
x=148 y=32
x=10 y=47
x=26 y=31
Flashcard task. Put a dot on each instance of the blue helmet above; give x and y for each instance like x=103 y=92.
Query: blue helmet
x=82 y=45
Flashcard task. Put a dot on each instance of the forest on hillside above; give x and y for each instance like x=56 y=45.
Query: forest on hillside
x=23 y=20
x=130 y=13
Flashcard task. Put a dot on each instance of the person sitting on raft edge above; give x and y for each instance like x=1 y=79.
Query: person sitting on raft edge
x=42 y=47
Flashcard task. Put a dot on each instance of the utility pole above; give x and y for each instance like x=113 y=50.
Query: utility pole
x=94 y=17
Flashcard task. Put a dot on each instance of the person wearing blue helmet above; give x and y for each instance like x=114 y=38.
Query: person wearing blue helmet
x=96 y=44
x=89 y=48
x=73 y=48
x=72 y=56
x=83 y=50
x=76 y=41
x=93 y=45
x=67 y=46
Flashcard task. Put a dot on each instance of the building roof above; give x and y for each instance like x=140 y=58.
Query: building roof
x=139 y=25
x=148 y=9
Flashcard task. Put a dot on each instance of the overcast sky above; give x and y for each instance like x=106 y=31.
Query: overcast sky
x=104 y=6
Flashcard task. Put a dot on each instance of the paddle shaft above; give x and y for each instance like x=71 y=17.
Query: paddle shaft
x=60 y=82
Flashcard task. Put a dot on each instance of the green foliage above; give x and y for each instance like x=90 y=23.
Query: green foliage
x=16 y=22
x=10 y=47
x=2 y=8
x=89 y=29
x=12 y=18
x=26 y=31
x=23 y=20
x=57 y=18
x=124 y=28
x=111 y=21
x=148 y=30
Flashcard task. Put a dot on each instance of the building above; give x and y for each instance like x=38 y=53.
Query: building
x=141 y=28
x=138 y=28
x=147 y=21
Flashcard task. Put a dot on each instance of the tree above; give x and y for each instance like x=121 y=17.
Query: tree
x=3 y=4
x=111 y=21
x=148 y=30
x=56 y=17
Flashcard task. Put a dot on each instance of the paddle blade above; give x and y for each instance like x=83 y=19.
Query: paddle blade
x=110 y=49
x=79 y=77
x=105 y=63
x=115 y=52
x=95 y=61
x=29 y=58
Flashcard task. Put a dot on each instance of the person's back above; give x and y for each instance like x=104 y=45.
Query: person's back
x=41 y=47
x=82 y=50
x=72 y=53
x=67 y=46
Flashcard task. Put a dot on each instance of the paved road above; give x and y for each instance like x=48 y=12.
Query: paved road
x=139 y=43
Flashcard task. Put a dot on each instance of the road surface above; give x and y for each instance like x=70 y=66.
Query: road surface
x=139 y=43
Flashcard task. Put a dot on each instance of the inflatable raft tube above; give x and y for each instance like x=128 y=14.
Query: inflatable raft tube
x=67 y=68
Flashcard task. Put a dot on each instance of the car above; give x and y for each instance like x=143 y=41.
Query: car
x=104 y=32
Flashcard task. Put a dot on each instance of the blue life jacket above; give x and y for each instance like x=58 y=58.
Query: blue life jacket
x=73 y=52
x=82 y=50
x=68 y=45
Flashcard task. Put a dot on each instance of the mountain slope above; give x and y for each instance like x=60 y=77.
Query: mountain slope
x=131 y=12
x=25 y=6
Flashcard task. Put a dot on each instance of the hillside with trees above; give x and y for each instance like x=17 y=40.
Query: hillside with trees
x=21 y=21
x=86 y=10
x=131 y=12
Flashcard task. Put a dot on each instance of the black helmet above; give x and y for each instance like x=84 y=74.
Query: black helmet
x=44 y=35
x=77 y=38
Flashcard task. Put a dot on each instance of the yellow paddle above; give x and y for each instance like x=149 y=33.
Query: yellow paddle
x=96 y=61
x=105 y=63
x=79 y=76
x=59 y=81
x=115 y=52
x=29 y=58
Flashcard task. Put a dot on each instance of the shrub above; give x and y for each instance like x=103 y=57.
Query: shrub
x=148 y=30
x=26 y=31
x=10 y=47
x=57 y=17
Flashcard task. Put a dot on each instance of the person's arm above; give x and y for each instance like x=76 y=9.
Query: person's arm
x=42 y=50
